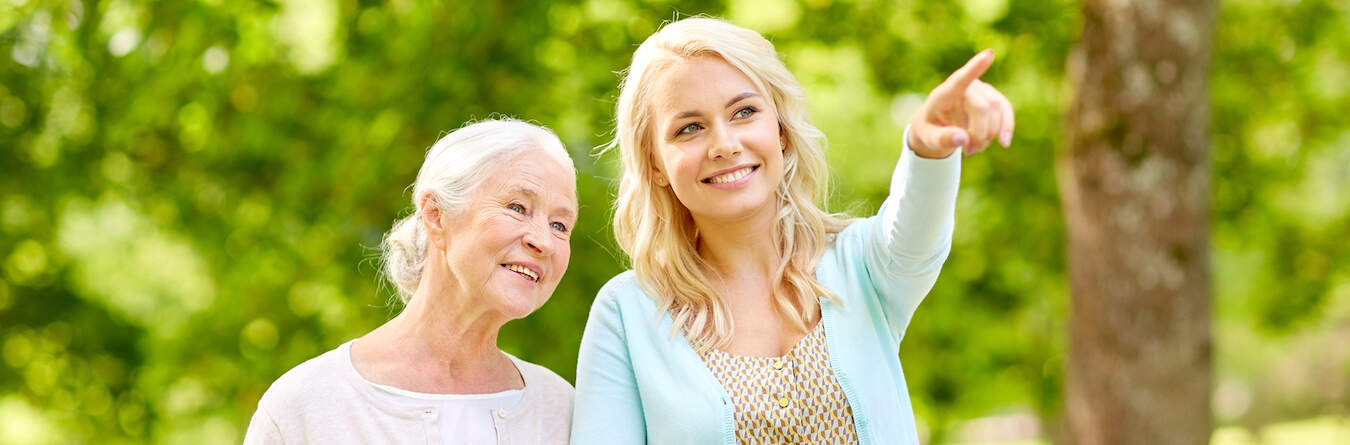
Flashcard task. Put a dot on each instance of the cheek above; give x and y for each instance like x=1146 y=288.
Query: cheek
x=674 y=162
x=767 y=135
x=501 y=229
x=561 y=256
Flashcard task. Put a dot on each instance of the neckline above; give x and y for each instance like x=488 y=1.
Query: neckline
x=446 y=397
x=819 y=327
x=345 y=351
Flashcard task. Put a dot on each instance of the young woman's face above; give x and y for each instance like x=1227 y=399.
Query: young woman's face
x=510 y=244
x=716 y=141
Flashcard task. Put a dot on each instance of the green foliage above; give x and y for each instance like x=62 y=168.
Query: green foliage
x=1281 y=163
x=192 y=192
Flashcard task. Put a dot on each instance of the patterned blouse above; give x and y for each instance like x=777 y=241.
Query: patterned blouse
x=788 y=399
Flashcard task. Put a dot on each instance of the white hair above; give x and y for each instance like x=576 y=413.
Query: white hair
x=456 y=165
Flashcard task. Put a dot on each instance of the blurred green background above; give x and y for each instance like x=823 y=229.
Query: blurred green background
x=191 y=193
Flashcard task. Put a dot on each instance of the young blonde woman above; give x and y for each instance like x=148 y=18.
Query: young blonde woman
x=751 y=315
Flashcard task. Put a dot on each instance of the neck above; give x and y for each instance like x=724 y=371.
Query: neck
x=440 y=324
x=739 y=248
x=444 y=341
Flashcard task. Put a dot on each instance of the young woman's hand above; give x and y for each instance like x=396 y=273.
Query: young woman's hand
x=962 y=112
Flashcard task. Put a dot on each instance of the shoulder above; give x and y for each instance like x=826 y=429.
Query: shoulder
x=318 y=377
x=843 y=267
x=857 y=228
x=544 y=380
x=621 y=293
x=549 y=397
x=623 y=313
x=622 y=285
x=850 y=241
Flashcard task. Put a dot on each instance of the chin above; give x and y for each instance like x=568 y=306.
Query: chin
x=518 y=306
x=738 y=209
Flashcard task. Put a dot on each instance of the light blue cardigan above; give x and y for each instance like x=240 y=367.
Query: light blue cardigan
x=637 y=382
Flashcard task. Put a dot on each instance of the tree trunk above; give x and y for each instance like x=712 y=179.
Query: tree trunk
x=1135 y=185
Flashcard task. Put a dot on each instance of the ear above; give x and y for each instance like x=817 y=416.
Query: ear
x=432 y=220
x=782 y=137
x=659 y=178
x=657 y=175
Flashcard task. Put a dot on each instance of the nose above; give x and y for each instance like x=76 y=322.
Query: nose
x=724 y=144
x=537 y=239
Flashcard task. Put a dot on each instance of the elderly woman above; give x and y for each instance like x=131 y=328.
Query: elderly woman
x=496 y=201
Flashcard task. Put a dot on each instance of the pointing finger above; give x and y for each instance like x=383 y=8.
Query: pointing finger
x=960 y=80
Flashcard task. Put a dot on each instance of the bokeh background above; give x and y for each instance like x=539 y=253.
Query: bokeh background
x=191 y=193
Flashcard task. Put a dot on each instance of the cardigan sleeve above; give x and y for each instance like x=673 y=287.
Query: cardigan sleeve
x=608 y=407
x=908 y=240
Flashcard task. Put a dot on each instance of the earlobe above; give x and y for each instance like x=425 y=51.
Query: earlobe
x=659 y=178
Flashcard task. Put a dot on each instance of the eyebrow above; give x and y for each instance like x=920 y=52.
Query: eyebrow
x=738 y=98
x=530 y=193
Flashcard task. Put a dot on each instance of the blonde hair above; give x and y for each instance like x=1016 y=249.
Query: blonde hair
x=456 y=165
x=657 y=231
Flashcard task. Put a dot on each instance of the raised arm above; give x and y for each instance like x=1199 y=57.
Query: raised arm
x=911 y=238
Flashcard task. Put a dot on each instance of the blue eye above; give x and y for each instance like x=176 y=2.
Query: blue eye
x=744 y=112
x=515 y=207
x=689 y=129
x=560 y=227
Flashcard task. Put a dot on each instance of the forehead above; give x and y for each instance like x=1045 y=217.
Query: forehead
x=536 y=174
x=697 y=82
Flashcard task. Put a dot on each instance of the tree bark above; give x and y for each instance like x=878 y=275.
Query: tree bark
x=1135 y=186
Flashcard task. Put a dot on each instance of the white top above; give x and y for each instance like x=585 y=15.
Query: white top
x=465 y=418
x=324 y=400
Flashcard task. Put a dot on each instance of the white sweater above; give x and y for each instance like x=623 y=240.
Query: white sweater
x=324 y=400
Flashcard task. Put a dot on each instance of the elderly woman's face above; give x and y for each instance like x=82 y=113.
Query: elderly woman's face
x=511 y=242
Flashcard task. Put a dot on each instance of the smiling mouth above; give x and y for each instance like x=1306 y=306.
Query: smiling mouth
x=523 y=271
x=731 y=177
